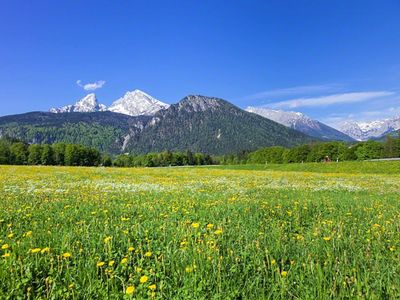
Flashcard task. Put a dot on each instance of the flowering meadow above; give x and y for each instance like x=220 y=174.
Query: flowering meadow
x=199 y=233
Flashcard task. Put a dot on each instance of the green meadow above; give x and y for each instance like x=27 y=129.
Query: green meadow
x=297 y=231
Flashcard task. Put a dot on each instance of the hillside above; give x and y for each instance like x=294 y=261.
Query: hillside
x=211 y=125
x=102 y=130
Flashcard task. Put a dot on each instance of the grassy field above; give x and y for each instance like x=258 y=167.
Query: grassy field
x=305 y=231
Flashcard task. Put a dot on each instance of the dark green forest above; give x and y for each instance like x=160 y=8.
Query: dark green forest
x=15 y=152
x=318 y=152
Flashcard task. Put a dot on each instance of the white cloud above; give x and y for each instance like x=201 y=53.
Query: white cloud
x=91 y=86
x=331 y=99
x=297 y=90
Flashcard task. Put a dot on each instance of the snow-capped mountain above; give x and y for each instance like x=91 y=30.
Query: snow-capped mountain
x=86 y=104
x=300 y=122
x=137 y=103
x=363 y=131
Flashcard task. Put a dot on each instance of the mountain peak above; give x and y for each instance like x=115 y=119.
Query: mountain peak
x=137 y=102
x=200 y=103
x=86 y=104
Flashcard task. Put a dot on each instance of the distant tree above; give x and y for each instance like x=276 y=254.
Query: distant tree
x=47 y=155
x=4 y=153
x=106 y=160
x=34 y=154
x=148 y=161
x=199 y=159
x=369 y=150
x=92 y=157
x=391 y=147
x=72 y=155
x=267 y=155
x=349 y=152
x=298 y=154
x=123 y=160
x=177 y=159
x=58 y=153
x=189 y=158
x=18 y=154
x=208 y=160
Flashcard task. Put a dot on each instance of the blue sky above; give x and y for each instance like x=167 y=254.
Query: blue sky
x=332 y=60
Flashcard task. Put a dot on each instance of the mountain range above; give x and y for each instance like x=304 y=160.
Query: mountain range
x=302 y=123
x=135 y=103
x=86 y=104
x=363 y=131
x=197 y=123
x=139 y=123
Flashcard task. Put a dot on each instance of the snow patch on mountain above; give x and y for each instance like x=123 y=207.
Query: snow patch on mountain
x=363 y=131
x=137 y=103
x=288 y=118
x=300 y=122
x=86 y=104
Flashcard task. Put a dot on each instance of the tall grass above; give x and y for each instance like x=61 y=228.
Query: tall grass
x=197 y=233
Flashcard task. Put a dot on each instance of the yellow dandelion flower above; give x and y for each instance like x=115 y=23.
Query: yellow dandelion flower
x=100 y=264
x=144 y=279
x=5 y=255
x=148 y=254
x=130 y=290
x=218 y=231
x=44 y=250
x=138 y=269
x=35 y=250
x=273 y=262
x=153 y=287
x=188 y=269
x=107 y=239
x=71 y=286
x=327 y=238
x=28 y=234
x=210 y=226
x=130 y=249
x=5 y=246
x=195 y=225
x=124 y=260
x=66 y=255
x=284 y=273
x=11 y=235
x=111 y=263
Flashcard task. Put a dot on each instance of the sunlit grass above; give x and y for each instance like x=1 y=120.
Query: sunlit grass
x=198 y=233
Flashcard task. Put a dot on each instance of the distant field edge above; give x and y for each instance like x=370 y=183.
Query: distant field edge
x=370 y=167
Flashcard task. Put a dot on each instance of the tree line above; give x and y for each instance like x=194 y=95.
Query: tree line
x=19 y=153
x=14 y=152
x=164 y=159
x=318 y=152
